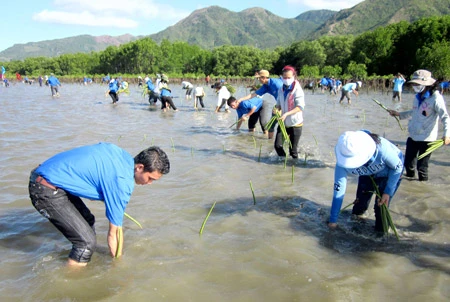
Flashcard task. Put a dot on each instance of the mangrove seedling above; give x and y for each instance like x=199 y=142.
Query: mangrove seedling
x=206 y=218
x=253 y=193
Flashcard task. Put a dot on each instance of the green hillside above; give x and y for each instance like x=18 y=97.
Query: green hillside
x=53 y=48
x=371 y=14
x=215 y=26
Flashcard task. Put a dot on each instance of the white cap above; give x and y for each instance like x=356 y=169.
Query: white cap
x=354 y=149
x=359 y=83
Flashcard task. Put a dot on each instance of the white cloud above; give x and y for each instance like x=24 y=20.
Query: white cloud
x=115 y=13
x=326 y=4
x=83 y=18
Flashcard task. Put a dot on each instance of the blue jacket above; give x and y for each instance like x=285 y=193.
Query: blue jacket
x=387 y=162
x=52 y=81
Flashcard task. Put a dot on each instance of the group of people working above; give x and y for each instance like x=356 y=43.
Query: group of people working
x=375 y=160
x=107 y=172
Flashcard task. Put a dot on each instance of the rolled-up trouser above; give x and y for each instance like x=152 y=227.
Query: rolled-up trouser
x=54 y=90
x=68 y=214
x=413 y=149
x=345 y=94
x=167 y=100
x=222 y=103
x=154 y=97
x=364 y=195
x=262 y=115
x=199 y=99
x=294 y=134
x=114 y=96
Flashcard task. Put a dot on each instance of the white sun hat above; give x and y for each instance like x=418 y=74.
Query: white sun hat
x=354 y=149
x=422 y=77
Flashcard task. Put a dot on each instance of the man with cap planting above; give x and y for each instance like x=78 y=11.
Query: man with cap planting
x=428 y=108
x=270 y=86
x=253 y=110
x=348 y=88
x=53 y=82
x=366 y=155
x=112 y=91
x=97 y=172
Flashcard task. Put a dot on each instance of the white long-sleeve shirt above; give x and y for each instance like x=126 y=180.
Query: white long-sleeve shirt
x=423 y=125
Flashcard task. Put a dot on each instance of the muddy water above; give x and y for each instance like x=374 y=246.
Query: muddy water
x=277 y=250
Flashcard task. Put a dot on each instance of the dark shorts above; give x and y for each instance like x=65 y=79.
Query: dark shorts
x=396 y=94
x=345 y=94
x=68 y=214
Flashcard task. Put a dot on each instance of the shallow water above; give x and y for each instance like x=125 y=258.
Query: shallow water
x=277 y=250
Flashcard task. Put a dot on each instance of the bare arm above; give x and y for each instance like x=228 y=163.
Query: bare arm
x=247 y=97
x=113 y=240
x=293 y=111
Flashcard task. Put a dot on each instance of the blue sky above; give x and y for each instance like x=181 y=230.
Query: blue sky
x=32 y=21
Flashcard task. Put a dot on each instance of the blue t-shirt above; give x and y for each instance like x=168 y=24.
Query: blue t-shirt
x=165 y=92
x=150 y=85
x=444 y=85
x=388 y=162
x=113 y=87
x=350 y=86
x=324 y=81
x=245 y=106
x=331 y=83
x=98 y=172
x=398 y=84
x=52 y=81
x=272 y=87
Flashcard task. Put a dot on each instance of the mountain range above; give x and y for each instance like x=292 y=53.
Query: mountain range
x=215 y=26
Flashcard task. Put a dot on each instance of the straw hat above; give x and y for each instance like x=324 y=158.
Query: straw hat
x=354 y=149
x=422 y=77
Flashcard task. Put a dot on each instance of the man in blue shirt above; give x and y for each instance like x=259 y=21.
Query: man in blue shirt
x=97 y=172
x=323 y=84
x=53 y=82
x=399 y=80
x=113 y=88
x=253 y=110
x=348 y=89
x=270 y=86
